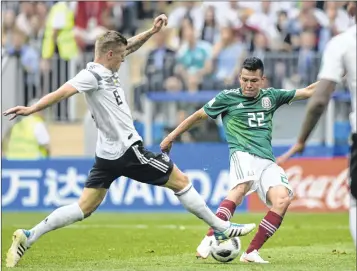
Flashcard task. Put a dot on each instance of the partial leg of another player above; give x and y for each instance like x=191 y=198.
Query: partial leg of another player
x=61 y=217
x=274 y=191
x=225 y=211
x=194 y=203
x=353 y=187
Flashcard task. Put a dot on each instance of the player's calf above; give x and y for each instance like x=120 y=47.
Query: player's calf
x=280 y=199
x=228 y=206
x=194 y=203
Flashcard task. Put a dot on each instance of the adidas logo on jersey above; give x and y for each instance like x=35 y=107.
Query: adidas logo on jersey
x=240 y=105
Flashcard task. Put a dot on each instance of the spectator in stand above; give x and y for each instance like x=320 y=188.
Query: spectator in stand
x=191 y=58
x=90 y=22
x=338 y=17
x=27 y=10
x=159 y=70
x=189 y=9
x=225 y=62
x=307 y=57
x=260 y=47
x=59 y=38
x=7 y=29
x=264 y=20
x=29 y=58
x=210 y=29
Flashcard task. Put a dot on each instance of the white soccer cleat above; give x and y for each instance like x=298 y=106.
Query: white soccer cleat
x=17 y=249
x=252 y=257
x=234 y=230
x=204 y=249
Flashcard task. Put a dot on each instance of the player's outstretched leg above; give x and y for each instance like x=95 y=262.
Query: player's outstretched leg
x=195 y=204
x=22 y=239
x=280 y=199
x=225 y=212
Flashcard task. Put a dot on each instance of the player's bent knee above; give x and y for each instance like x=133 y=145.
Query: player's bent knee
x=177 y=181
x=237 y=193
x=279 y=196
x=282 y=202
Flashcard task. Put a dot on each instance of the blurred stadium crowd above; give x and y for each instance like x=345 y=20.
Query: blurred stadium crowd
x=202 y=47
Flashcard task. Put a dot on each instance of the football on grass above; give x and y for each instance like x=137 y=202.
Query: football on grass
x=226 y=251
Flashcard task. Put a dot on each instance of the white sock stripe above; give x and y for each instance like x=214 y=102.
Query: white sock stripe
x=268 y=230
x=224 y=211
x=267 y=226
x=152 y=162
x=271 y=225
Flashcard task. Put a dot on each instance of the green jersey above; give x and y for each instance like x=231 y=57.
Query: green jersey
x=247 y=121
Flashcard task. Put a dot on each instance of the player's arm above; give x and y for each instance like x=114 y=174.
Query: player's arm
x=137 y=41
x=64 y=92
x=186 y=125
x=305 y=93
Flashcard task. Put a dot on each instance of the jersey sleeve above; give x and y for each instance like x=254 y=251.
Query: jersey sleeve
x=84 y=81
x=283 y=96
x=216 y=106
x=332 y=61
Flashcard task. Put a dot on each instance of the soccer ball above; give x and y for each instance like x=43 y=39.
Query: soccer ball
x=226 y=251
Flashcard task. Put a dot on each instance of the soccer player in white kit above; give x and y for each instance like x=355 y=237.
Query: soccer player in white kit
x=119 y=150
x=339 y=58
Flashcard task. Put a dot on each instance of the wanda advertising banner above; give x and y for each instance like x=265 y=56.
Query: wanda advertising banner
x=320 y=185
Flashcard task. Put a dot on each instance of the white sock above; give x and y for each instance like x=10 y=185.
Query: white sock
x=59 y=218
x=194 y=203
x=353 y=211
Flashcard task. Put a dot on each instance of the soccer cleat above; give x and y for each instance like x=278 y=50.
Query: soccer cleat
x=204 y=249
x=252 y=257
x=234 y=230
x=18 y=247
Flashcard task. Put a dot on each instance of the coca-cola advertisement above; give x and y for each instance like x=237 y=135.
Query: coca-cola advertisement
x=320 y=185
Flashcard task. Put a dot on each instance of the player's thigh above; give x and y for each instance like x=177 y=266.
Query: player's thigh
x=353 y=166
x=103 y=173
x=242 y=172
x=274 y=177
x=148 y=167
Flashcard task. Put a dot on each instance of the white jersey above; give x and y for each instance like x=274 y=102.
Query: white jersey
x=109 y=109
x=340 y=58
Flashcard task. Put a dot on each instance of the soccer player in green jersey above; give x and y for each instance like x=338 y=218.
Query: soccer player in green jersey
x=247 y=115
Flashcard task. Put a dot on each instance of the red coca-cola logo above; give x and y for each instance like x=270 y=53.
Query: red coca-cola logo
x=320 y=185
x=316 y=191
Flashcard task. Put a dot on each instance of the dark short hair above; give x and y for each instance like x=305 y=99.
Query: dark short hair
x=253 y=64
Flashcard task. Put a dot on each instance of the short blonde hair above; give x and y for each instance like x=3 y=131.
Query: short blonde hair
x=110 y=40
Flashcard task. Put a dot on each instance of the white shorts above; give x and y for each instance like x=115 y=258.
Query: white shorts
x=261 y=173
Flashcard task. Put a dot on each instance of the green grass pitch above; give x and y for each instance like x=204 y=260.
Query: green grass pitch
x=155 y=242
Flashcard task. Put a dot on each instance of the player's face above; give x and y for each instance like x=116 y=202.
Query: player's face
x=251 y=82
x=116 y=57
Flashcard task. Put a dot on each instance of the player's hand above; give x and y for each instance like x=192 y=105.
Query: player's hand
x=166 y=144
x=159 y=22
x=297 y=148
x=18 y=111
